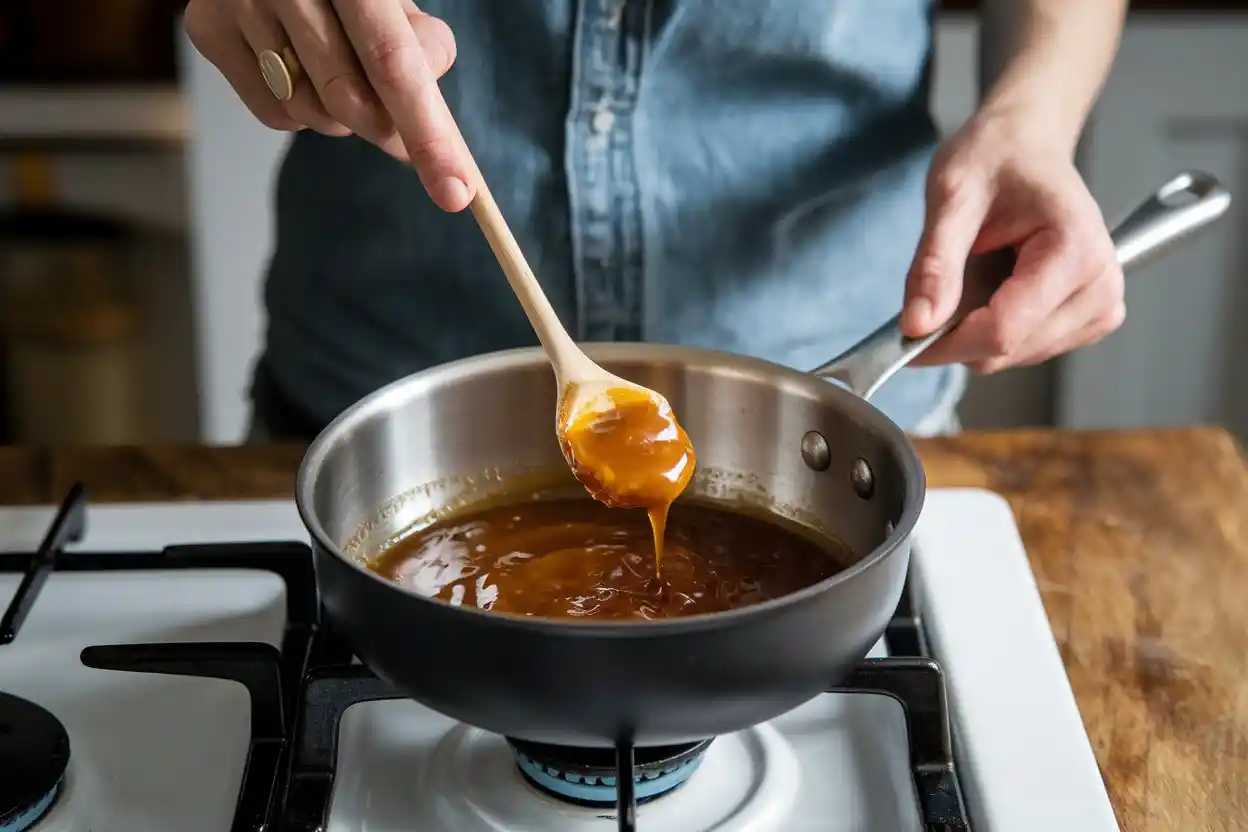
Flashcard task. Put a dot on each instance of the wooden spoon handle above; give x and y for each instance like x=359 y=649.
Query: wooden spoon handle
x=567 y=358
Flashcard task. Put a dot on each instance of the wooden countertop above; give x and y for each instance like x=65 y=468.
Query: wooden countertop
x=1139 y=542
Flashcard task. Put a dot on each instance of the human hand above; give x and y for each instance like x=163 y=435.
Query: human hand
x=997 y=185
x=368 y=67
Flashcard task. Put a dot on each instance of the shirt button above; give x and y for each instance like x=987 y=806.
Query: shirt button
x=603 y=121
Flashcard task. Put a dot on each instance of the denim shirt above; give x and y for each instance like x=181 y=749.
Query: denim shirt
x=745 y=175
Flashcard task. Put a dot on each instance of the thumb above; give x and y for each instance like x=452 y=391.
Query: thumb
x=934 y=283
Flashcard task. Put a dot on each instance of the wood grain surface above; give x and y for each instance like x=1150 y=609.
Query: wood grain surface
x=1137 y=540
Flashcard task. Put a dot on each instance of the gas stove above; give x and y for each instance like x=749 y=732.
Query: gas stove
x=165 y=666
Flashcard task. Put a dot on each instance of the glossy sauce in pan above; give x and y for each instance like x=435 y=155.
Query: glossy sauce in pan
x=576 y=558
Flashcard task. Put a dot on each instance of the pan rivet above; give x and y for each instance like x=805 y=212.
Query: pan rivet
x=862 y=479
x=815 y=451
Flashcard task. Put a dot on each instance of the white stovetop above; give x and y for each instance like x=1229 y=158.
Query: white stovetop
x=154 y=753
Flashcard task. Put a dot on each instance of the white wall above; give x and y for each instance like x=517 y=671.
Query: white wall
x=232 y=161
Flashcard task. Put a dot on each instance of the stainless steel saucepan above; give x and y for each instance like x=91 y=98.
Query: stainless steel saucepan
x=782 y=440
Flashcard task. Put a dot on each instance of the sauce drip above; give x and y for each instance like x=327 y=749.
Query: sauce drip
x=575 y=558
x=632 y=454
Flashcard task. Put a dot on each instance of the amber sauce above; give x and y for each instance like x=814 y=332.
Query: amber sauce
x=632 y=454
x=579 y=559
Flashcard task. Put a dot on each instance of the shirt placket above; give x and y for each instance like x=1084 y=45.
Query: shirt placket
x=603 y=188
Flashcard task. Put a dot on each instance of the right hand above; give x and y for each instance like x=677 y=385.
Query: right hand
x=367 y=67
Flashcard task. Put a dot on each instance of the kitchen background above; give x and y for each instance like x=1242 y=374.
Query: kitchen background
x=134 y=225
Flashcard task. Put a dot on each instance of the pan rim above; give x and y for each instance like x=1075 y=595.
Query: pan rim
x=796 y=381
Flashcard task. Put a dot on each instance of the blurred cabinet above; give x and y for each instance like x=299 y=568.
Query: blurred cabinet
x=1176 y=99
x=97 y=42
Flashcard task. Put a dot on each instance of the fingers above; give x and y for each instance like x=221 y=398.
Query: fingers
x=1061 y=296
x=1084 y=319
x=997 y=192
x=334 y=76
x=957 y=203
x=1045 y=274
x=435 y=38
x=263 y=30
x=211 y=29
x=439 y=45
x=399 y=71
x=335 y=92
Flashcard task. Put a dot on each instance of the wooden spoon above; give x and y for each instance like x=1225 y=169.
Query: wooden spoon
x=620 y=439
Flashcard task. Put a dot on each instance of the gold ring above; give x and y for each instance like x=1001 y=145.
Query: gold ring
x=280 y=72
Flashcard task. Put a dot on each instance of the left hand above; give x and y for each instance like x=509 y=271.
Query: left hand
x=993 y=185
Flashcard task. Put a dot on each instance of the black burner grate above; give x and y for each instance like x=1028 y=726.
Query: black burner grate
x=300 y=692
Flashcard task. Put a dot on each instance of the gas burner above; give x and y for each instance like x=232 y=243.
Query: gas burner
x=473 y=783
x=586 y=776
x=34 y=754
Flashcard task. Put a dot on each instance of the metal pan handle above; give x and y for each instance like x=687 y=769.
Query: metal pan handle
x=1178 y=209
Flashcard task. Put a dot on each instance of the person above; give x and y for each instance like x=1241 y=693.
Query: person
x=759 y=176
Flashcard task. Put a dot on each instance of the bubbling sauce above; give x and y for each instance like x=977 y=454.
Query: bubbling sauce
x=631 y=454
x=576 y=558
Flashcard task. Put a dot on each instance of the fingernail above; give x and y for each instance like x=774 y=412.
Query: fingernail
x=451 y=193
x=920 y=311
